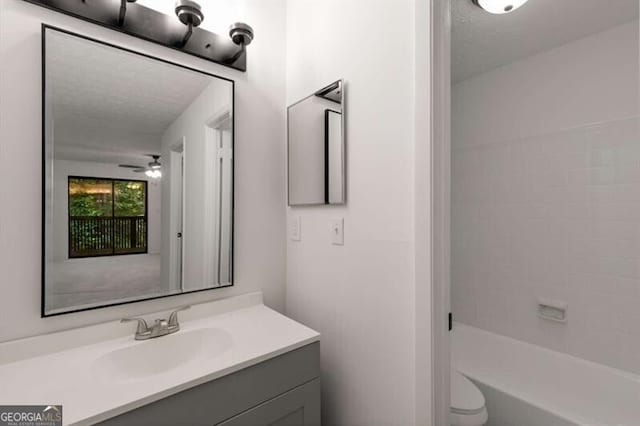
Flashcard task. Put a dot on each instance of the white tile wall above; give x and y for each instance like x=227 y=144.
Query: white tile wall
x=548 y=204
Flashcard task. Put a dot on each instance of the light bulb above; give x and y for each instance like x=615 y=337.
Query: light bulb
x=499 y=6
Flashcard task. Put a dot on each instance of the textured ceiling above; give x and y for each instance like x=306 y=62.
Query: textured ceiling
x=110 y=100
x=482 y=41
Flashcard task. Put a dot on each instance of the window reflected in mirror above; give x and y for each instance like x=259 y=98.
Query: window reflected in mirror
x=107 y=217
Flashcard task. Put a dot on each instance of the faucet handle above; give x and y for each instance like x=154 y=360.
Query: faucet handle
x=142 y=324
x=173 y=318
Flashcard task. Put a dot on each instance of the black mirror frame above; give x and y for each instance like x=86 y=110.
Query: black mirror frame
x=43 y=313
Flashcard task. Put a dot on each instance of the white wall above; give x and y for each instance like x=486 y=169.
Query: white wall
x=546 y=184
x=62 y=169
x=361 y=296
x=259 y=159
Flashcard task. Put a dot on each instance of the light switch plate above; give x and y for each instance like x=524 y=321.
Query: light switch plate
x=295 y=233
x=336 y=228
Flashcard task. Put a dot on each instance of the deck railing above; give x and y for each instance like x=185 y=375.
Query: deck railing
x=102 y=236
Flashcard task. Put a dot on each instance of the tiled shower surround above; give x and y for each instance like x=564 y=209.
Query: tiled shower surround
x=546 y=198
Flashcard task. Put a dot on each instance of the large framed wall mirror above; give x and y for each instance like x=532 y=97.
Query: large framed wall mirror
x=316 y=148
x=137 y=176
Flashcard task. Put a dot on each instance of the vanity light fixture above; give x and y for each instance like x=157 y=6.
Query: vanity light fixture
x=153 y=20
x=499 y=7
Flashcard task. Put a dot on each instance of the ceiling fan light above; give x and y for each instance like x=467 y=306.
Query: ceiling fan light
x=499 y=6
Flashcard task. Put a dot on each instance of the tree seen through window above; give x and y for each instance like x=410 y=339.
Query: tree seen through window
x=107 y=216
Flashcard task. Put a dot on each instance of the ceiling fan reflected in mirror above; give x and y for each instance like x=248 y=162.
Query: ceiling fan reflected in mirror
x=152 y=170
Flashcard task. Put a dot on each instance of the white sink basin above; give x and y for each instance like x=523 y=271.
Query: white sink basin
x=160 y=355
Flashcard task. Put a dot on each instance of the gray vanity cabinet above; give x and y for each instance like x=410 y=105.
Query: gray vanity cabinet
x=282 y=391
x=299 y=406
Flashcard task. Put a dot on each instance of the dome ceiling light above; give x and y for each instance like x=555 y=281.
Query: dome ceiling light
x=499 y=7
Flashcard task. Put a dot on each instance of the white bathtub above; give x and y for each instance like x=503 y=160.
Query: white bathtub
x=529 y=385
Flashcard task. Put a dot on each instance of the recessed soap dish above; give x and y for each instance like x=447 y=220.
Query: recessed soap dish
x=552 y=310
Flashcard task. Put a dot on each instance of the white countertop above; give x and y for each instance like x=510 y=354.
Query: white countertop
x=69 y=377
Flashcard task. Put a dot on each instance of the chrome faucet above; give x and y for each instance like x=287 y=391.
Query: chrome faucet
x=160 y=327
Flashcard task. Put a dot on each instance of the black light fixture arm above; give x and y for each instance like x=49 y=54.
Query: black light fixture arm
x=187 y=35
x=242 y=35
x=189 y=13
x=123 y=11
x=241 y=51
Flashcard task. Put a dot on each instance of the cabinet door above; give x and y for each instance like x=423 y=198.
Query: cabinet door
x=298 y=407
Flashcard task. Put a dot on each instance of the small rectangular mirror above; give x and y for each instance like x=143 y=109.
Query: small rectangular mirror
x=137 y=174
x=316 y=148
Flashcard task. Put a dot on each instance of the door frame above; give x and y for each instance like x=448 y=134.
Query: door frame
x=177 y=248
x=441 y=207
x=432 y=211
x=213 y=129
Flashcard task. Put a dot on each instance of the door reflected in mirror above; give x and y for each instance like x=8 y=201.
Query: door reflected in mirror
x=316 y=148
x=138 y=176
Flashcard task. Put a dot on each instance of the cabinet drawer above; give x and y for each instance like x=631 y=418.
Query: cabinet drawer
x=298 y=407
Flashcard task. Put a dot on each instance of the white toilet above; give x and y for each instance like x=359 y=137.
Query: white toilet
x=467 y=402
